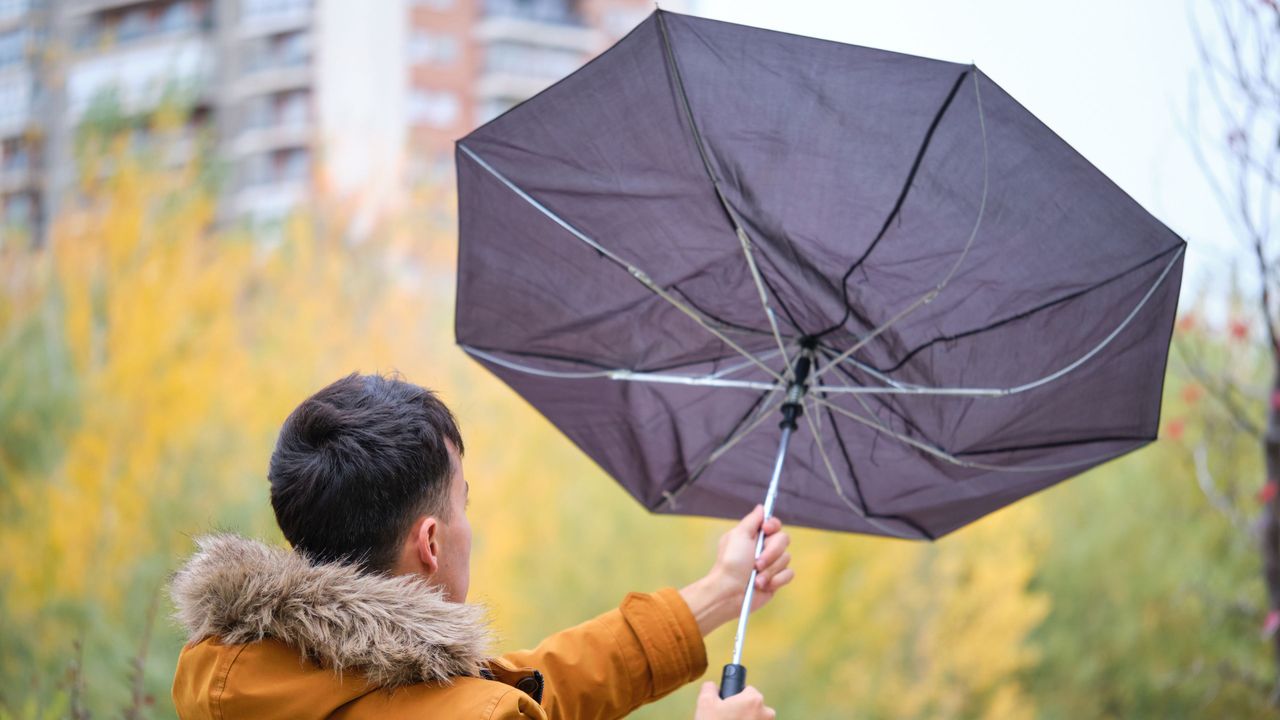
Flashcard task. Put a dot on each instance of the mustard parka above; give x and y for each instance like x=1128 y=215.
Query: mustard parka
x=272 y=635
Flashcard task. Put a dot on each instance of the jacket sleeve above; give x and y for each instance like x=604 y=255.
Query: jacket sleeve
x=613 y=664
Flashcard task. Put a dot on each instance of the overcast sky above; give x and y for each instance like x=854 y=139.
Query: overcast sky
x=1112 y=78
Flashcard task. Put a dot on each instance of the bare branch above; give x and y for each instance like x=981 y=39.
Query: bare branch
x=1220 y=390
x=1204 y=478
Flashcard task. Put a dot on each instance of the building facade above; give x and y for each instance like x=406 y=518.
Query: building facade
x=357 y=95
x=471 y=60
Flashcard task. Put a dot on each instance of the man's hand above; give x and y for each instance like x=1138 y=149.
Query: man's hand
x=717 y=598
x=746 y=705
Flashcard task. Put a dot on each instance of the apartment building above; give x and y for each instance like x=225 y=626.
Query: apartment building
x=470 y=60
x=243 y=69
x=24 y=112
x=361 y=96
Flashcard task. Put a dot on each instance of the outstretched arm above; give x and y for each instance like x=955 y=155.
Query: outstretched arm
x=613 y=664
x=652 y=644
x=717 y=598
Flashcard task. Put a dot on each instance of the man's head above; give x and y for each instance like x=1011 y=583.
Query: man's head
x=368 y=470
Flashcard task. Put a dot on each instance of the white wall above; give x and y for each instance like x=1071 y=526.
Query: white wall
x=361 y=98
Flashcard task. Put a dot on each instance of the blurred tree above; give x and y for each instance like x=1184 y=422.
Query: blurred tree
x=147 y=361
x=1239 y=42
x=1153 y=571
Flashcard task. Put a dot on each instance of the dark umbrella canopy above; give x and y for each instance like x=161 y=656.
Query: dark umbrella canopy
x=647 y=248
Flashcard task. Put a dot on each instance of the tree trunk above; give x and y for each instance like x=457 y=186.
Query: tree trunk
x=1271 y=521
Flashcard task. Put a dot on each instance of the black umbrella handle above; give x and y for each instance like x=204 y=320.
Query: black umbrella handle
x=733 y=680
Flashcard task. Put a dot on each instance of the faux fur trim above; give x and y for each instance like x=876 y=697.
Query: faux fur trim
x=395 y=631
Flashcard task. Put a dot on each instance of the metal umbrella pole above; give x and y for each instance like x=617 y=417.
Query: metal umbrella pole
x=734 y=677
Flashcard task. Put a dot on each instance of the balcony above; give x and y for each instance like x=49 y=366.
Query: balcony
x=90 y=7
x=276 y=64
x=18 y=98
x=104 y=29
x=16 y=13
x=509 y=88
x=530 y=30
x=141 y=77
x=18 y=174
x=513 y=71
x=273 y=185
x=269 y=17
x=274 y=79
x=265 y=138
x=19 y=212
x=557 y=12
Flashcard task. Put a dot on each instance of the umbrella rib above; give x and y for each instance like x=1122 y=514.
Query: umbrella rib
x=738 y=366
x=641 y=276
x=863 y=512
x=716 y=379
x=708 y=381
x=871 y=413
x=847 y=380
x=929 y=296
x=743 y=240
x=904 y=389
x=530 y=370
x=715 y=361
x=948 y=457
x=762 y=409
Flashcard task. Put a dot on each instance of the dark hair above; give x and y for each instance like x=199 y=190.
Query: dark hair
x=356 y=464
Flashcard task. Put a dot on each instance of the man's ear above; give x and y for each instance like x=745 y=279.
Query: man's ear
x=428 y=545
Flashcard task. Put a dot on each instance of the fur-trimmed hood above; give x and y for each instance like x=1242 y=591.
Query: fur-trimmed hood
x=395 y=631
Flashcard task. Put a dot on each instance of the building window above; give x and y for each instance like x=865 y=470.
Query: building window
x=550 y=11
x=142 y=22
x=15 y=103
x=20 y=210
x=292 y=108
x=435 y=48
x=620 y=22
x=279 y=167
x=13 y=9
x=13 y=47
x=283 y=50
x=15 y=156
x=286 y=109
x=437 y=108
x=528 y=60
x=273 y=9
x=133 y=24
x=492 y=108
x=178 y=17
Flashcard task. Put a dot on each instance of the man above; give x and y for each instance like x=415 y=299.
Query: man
x=366 y=618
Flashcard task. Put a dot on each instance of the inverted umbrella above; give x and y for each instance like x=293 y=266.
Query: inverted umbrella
x=712 y=230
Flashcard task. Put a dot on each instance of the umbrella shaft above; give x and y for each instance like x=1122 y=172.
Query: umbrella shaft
x=768 y=513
